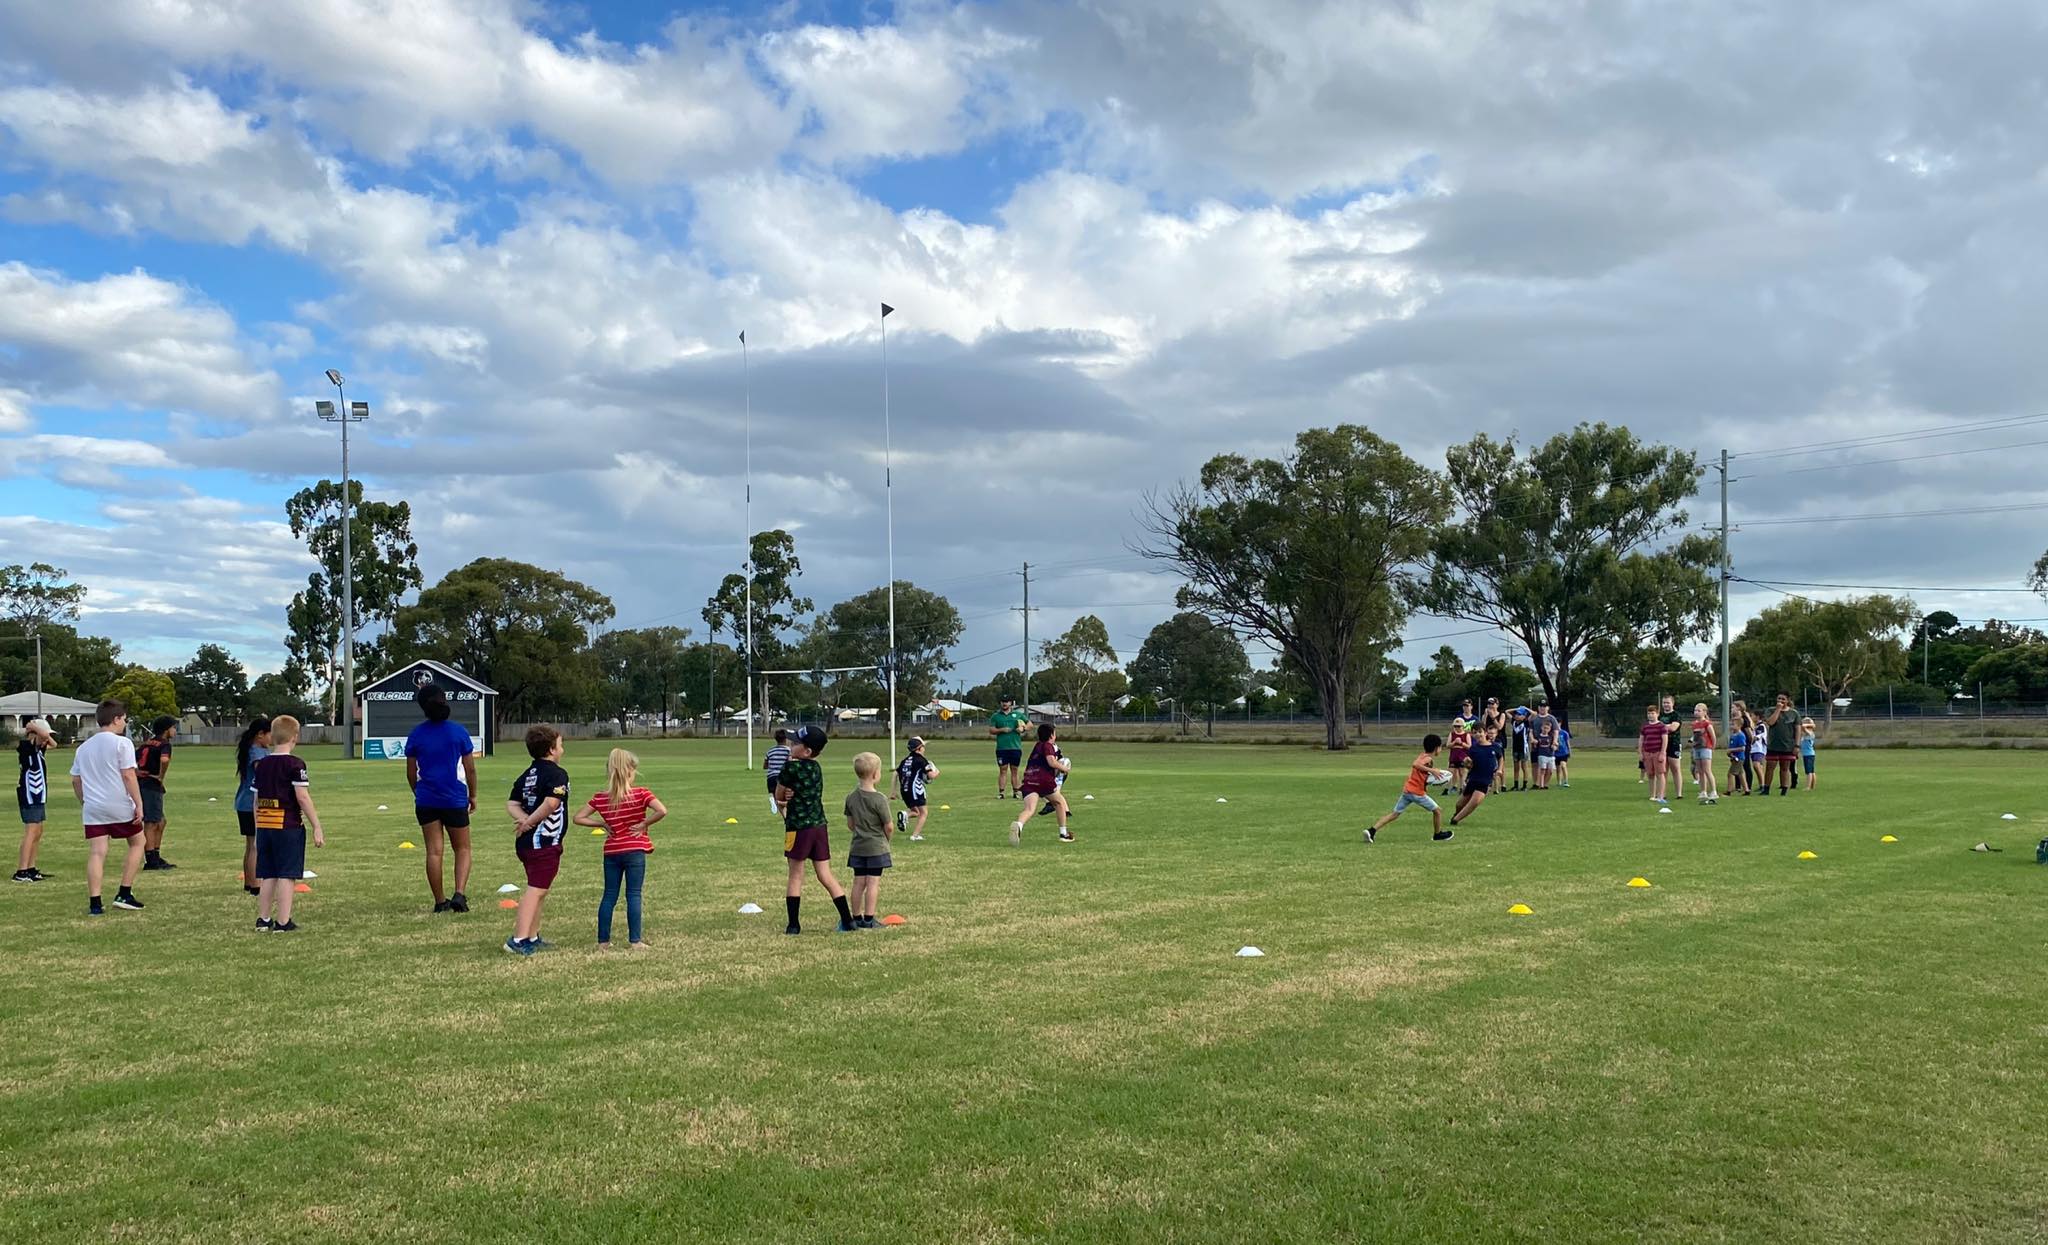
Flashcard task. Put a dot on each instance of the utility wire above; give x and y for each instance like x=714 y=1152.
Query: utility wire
x=1889 y=438
x=1879 y=462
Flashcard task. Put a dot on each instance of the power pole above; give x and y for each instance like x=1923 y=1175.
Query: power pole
x=1727 y=707
x=1026 y=611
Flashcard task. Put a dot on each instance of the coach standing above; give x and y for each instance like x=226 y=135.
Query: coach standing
x=1007 y=725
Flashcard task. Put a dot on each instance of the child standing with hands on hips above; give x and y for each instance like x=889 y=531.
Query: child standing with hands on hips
x=624 y=811
x=284 y=808
x=539 y=808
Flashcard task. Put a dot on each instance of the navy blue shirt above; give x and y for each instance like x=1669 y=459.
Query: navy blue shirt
x=438 y=748
x=542 y=781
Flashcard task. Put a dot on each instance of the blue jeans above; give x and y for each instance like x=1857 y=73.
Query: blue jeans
x=631 y=868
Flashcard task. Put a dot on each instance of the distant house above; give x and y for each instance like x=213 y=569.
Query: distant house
x=1049 y=711
x=942 y=708
x=17 y=708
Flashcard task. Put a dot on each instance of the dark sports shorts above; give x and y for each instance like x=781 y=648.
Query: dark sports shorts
x=33 y=814
x=1042 y=790
x=248 y=820
x=807 y=843
x=1807 y=762
x=124 y=830
x=1671 y=746
x=1011 y=757
x=152 y=804
x=450 y=818
x=1479 y=780
x=868 y=866
x=772 y=780
x=1786 y=757
x=1521 y=747
x=1458 y=756
x=542 y=863
x=913 y=801
x=281 y=853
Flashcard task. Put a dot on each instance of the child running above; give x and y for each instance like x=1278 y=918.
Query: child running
x=867 y=820
x=284 y=808
x=1416 y=791
x=801 y=796
x=1041 y=782
x=539 y=809
x=623 y=810
x=772 y=764
x=1703 y=755
x=911 y=776
x=252 y=747
x=1806 y=745
x=32 y=795
x=1485 y=760
x=1654 y=731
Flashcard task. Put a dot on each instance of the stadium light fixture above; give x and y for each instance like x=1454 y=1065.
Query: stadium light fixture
x=343 y=412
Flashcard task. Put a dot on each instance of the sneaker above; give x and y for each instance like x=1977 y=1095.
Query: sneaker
x=1016 y=833
x=442 y=905
x=902 y=821
x=95 y=909
x=1066 y=835
x=540 y=944
x=917 y=838
x=1441 y=836
x=129 y=902
x=153 y=862
x=1370 y=837
x=517 y=947
x=161 y=863
x=1046 y=809
x=24 y=875
x=37 y=875
x=289 y=927
x=262 y=924
x=642 y=945
x=792 y=929
x=603 y=947
x=848 y=927
x=458 y=902
x=1564 y=784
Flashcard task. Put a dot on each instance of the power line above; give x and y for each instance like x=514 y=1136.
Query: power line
x=1798 y=583
x=1879 y=462
x=1887 y=514
x=1891 y=438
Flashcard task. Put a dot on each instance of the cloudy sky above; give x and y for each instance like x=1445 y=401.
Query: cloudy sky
x=1121 y=235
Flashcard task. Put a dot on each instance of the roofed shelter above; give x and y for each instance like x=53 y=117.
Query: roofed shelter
x=17 y=709
x=389 y=713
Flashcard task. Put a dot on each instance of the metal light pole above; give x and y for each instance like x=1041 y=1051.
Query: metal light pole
x=340 y=412
x=1727 y=707
x=889 y=505
x=747 y=543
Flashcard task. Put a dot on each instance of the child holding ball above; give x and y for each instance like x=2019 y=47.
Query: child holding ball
x=1420 y=773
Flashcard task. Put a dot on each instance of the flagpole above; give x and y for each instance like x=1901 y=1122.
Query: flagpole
x=747 y=544
x=889 y=509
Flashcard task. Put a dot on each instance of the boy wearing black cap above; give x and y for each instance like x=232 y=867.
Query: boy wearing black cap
x=911 y=777
x=800 y=794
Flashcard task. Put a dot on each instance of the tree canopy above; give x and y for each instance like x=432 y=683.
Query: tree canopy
x=213 y=684
x=147 y=693
x=777 y=609
x=1832 y=647
x=1075 y=660
x=1315 y=553
x=855 y=632
x=36 y=595
x=516 y=627
x=1192 y=661
x=1577 y=541
x=386 y=568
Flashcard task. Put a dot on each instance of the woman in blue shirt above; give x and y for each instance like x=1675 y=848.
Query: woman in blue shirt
x=443 y=799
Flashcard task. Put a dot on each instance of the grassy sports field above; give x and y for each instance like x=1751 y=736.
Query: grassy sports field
x=1060 y=1043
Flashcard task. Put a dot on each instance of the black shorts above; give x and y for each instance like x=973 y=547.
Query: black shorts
x=1480 y=781
x=152 y=804
x=772 y=780
x=911 y=801
x=868 y=866
x=1011 y=757
x=450 y=818
x=1521 y=748
x=248 y=821
x=281 y=853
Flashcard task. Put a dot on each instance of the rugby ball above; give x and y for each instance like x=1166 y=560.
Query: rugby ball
x=1441 y=777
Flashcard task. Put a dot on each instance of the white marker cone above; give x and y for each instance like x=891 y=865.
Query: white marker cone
x=750 y=909
x=1247 y=953
x=508 y=889
x=2007 y=817
x=308 y=875
x=1221 y=800
x=383 y=808
x=1087 y=797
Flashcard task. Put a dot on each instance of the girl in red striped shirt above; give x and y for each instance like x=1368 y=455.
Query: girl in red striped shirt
x=623 y=811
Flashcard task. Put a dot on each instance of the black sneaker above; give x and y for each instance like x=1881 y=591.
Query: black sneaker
x=25 y=875
x=1441 y=836
x=37 y=875
x=95 y=909
x=289 y=927
x=262 y=924
x=129 y=902
x=792 y=929
x=1047 y=809
x=848 y=927
x=442 y=905
x=1370 y=837
x=161 y=863
x=458 y=903
x=1066 y=835
x=902 y=821
x=153 y=862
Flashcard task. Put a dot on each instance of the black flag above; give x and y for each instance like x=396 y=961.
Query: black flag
x=743 y=337
x=886 y=309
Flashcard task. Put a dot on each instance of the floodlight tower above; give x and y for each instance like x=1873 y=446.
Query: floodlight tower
x=341 y=412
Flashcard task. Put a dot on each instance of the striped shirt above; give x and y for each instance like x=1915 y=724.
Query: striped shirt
x=625 y=822
x=778 y=756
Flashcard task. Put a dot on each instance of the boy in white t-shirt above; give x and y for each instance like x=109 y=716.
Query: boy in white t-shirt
x=103 y=779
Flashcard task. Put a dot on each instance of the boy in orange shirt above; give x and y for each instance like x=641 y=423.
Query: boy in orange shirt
x=1420 y=773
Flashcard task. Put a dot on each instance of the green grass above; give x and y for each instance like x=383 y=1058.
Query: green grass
x=1059 y=1044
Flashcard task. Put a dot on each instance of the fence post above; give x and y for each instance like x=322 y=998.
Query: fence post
x=1890 y=710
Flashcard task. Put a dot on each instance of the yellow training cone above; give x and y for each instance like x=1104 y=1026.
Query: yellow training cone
x=1639 y=883
x=408 y=846
x=597 y=834
x=945 y=808
x=1889 y=838
x=1808 y=856
x=1521 y=909
x=732 y=821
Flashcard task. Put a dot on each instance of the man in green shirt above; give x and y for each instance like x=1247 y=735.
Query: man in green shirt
x=1007 y=725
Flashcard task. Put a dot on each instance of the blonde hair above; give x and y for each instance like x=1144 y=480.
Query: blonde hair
x=284 y=729
x=620 y=768
x=867 y=765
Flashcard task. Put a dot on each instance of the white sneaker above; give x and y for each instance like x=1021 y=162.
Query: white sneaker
x=902 y=820
x=917 y=838
x=1016 y=833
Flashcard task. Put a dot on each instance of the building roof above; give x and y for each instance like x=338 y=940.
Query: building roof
x=19 y=703
x=402 y=678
